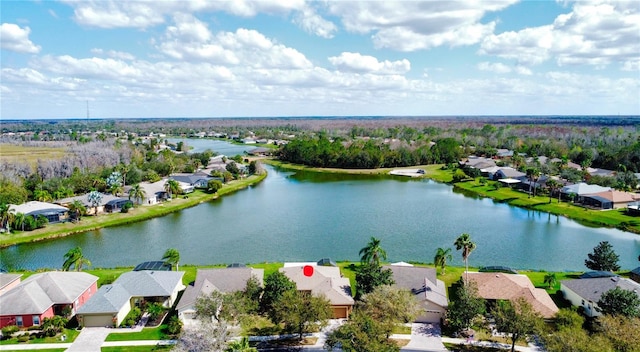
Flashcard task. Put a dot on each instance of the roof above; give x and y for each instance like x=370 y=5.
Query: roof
x=421 y=281
x=324 y=280
x=36 y=207
x=513 y=286
x=108 y=299
x=224 y=280
x=635 y=271
x=191 y=178
x=153 y=188
x=106 y=198
x=583 y=188
x=598 y=198
x=592 y=289
x=497 y=268
x=7 y=279
x=153 y=265
x=40 y=291
x=510 y=172
x=594 y=274
x=326 y=262
x=150 y=283
x=616 y=196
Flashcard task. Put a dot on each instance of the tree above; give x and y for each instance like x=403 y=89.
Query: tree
x=370 y=276
x=361 y=333
x=603 y=258
x=372 y=252
x=275 y=285
x=203 y=337
x=77 y=209
x=114 y=183
x=553 y=186
x=75 y=258
x=389 y=306
x=241 y=345
x=302 y=312
x=213 y=186
x=621 y=331
x=550 y=279
x=256 y=168
x=464 y=242
x=516 y=318
x=172 y=187
x=172 y=256
x=465 y=307
x=533 y=174
x=19 y=221
x=6 y=216
x=208 y=307
x=137 y=193
x=54 y=325
x=232 y=167
x=95 y=198
x=441 y=257
x=620 y=302
x=568 y=318
x=575 y=340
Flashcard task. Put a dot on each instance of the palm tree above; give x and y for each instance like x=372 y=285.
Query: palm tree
x=553 y=186
x=550 y=279
x=77 y=209
x=116 y=189
x=372 y=252
x=533 y=174
x=240 y=346
x=464 y=242
x=137 y=193
x=172 y=186
x=172 y=256
x=74 y=258
x=6 y=216
x=440 y=260
x=19 y=220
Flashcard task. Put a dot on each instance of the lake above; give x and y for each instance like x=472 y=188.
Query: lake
x=305 y=216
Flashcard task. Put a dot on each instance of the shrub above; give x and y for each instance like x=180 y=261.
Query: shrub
x=132 y=318
x=125 y=208
x=174 y=327
x=23 y=338
x=10 y=330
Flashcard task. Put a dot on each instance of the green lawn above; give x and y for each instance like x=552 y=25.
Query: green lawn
x=71 y=336
x=137 y=348
x=146 y=334
x=40 y=350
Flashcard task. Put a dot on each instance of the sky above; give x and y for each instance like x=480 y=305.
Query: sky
x=244 y=58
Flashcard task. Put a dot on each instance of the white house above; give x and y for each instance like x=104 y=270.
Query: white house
x=586 y=293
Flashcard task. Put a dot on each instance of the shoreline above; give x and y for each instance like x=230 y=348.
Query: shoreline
x=136 y=214
x=587 y=217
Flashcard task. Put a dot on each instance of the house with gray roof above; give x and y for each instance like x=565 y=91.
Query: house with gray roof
x=113 y=302
x=581 y=189
x=585 y=293
x=509 y=173
x=53 y=212
x=196 y=180
x=8 y=281
x=108 y=202
x=430 y=292
x=225 y=280
x=44 y=295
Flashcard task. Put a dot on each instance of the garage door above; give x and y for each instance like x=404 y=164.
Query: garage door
x=98 y=320
x=429 y=317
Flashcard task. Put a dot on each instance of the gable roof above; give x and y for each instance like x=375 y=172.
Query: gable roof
x=592 y=289
x=150 y=283
x=225 y=280
x=40 y=291
x=191 y=178
x=325 y=280
x=617 y=196
x=510 y=172
x=35 y=207
x=7 y=279
x=422 y=282
x=583 y=188
x=84 y=199
x=108 y=299
x=513 y=286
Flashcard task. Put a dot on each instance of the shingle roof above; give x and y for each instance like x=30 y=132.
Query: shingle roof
x=583 y=188
x=150 y=283
x=224 y=280
x=325 y=280
x=512 y=286
x=6 y=279
x=421 y=281
x=40 y=291
x=84 y=199
x=108 y=299
x=617 y=196
x=592 y=289
x=35 y=207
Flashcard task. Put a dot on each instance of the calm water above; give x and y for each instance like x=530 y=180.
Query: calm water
x=306 y=216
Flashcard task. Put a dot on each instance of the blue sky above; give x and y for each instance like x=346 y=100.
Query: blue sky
x=315 y=58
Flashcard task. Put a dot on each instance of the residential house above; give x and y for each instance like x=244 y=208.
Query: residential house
x=197 y=180
x=579 y=190
x=585 y=293
x=430 y=292
x=8 y=281
x=601 y=172
x=53 y=212
x=509 y=173
x=501 y=286
x=611 y=199
x=504 y=153
x=478 y=162
x=44 y=295
x=154 y=192
x=116 y=205
x=112 y=303
x=108 y=203
x=261 y=151
x=225 y=280
x=323 y=281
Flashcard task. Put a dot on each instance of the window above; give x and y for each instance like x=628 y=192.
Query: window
x=36 y=320
x=19 y=321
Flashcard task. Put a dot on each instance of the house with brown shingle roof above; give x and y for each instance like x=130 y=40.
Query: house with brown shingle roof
x=323 y=281
x=611 y=199
x=501 y=286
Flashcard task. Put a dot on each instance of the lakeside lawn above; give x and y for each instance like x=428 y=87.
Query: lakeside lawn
x=138 y=213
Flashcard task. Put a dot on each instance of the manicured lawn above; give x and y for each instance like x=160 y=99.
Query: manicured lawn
x=137 y=348
x=71 y=336
x=145 y=334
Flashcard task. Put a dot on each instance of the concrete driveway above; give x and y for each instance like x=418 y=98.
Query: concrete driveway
x=425 y=337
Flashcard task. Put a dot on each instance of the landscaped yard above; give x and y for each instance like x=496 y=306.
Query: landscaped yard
x=71 y=335
x=145 y=334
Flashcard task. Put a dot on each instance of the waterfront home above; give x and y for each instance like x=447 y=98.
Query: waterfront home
x=53 y=212
x=111 y=304
x=225 y=280
x=108 y=203
x=585 y=293
x=8 y=281
x=197 y=180
x=579 y=190
x=610 y=199
x=509 y=173
x=44 y=295
x=154 y=192
x=494 y=286
x=478 y=162
x=430 y=292
x=323 y=281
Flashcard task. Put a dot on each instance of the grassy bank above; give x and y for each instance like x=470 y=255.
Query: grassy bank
x=136 y=214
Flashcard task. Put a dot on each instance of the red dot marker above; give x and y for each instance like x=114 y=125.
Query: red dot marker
x=307 y=270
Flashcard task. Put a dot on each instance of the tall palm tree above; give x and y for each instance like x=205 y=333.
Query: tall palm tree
x=75 y=258
x=553 y=186
x=533 y=174
x=77 y=209
x=19 y=220
x=441 y=257
x=464 y=242
x=172 y=256
x=372 y=252
x=6 y=216
x=172 y=187
x=137 y=193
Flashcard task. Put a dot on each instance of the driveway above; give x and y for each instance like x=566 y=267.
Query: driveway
x=425 y=337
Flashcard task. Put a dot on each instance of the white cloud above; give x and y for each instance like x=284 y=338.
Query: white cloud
x=16 y=39
x=416 y=25
x=500 y=68
x=113 y=54
x=355 y=62
x=596 y=33
x=311 y=22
